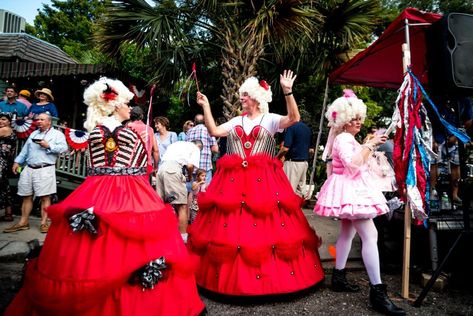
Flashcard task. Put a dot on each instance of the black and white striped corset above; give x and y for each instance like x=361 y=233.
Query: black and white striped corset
x=121 y=148
x=259 y=141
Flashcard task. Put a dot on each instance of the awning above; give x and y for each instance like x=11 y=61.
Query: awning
x=28 y=48
x=380 y=65
x=10 y=70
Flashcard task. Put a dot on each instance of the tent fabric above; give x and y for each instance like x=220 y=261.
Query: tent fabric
x=380 y=65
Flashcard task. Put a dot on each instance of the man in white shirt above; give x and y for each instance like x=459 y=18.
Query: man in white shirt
x=171 y=181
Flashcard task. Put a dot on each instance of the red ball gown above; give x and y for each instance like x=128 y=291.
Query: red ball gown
x=250 y=235
x=79 y=273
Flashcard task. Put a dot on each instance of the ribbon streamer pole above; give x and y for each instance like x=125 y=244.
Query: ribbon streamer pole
x=406 y=258
x=194 y=72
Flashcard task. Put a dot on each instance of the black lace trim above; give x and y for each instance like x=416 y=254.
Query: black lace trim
x=116 y=171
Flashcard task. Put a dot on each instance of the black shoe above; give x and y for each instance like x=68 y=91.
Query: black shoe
x=340 y=283
x=381 y=303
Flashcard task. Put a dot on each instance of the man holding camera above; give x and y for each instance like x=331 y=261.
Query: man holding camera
x=38 y=176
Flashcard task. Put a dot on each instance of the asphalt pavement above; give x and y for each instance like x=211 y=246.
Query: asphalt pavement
x=319 y=300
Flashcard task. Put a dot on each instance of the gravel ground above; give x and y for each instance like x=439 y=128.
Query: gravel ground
x=319 y=300
x=322 y=301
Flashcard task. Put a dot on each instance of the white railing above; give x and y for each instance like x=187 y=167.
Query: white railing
x=72 y=164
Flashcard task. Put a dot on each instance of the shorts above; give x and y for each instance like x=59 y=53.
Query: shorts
x=171 y=183
x=40 y=182
x=448 y=154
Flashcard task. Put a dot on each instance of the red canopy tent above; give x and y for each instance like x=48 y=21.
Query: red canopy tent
x=380 y=65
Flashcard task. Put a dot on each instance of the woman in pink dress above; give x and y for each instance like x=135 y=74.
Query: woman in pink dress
x=350 y=195
x=250 y=235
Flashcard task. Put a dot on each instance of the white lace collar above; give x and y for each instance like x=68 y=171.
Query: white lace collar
x=111 y=123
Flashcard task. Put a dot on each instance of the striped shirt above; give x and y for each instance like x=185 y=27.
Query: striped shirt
x=201 y=133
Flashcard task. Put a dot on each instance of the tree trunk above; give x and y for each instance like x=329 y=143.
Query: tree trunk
x=240 y=54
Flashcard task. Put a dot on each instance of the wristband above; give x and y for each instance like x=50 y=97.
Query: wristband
x=288 y=94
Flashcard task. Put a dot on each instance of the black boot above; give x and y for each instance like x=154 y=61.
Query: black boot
x=380 y=301
x=340 y=283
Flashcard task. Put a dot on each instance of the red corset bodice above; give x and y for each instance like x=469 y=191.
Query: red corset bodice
x=258 y=141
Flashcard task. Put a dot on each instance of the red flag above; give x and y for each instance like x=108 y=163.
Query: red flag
x=194 y=72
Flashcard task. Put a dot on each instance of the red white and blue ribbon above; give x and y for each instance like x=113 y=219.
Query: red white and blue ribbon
x=23 y=128
x=77 y=139
x=411 y=147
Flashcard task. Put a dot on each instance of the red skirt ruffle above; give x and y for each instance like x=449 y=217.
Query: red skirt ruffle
x=77 y=274
x=250 y=235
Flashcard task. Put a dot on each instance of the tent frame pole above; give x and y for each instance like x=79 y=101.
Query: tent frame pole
x=319 y=135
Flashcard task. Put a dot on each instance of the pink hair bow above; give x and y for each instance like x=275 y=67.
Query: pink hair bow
x=348 y=93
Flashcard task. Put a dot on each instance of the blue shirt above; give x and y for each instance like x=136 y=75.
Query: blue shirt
x=163 y=145
x=48 y=107
x=16 y=107
x=298 y=138
x=182 y=136
x=34 y=154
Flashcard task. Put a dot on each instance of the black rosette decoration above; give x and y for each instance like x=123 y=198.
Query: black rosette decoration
x=85 y=220
x=149 y=275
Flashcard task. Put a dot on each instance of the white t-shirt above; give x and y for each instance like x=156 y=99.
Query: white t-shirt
x=269 y=121
x=184 y=153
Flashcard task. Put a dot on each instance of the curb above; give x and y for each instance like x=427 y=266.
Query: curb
x=16 y=251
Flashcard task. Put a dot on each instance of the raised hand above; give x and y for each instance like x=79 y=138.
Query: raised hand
x=202 y=99
x=286 y=80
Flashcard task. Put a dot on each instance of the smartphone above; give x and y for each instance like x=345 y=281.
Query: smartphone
x=37 y=140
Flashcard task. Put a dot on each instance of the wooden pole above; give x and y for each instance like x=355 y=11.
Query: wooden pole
x=406 y=61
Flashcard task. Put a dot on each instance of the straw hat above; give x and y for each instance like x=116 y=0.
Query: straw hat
x=45 y=91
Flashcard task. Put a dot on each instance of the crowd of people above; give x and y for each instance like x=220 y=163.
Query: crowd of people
x=125 y=247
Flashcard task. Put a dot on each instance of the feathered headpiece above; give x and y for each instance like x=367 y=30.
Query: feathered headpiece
x=102 y=98
x=259 y=91
x=345 y=109
x=340 y=113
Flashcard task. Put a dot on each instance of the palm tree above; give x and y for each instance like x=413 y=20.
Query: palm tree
x=237 y=33
x=347 y=25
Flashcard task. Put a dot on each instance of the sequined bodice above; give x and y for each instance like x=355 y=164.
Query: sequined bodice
x=258 y=141
x=121 y=148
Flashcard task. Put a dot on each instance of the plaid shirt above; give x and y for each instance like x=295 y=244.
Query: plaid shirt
x=201 y=133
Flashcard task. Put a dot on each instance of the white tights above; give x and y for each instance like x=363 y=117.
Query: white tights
x=369 y=251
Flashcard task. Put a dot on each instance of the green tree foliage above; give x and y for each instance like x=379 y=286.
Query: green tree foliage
x=439 y=6
x=70 y=24
x=230 y=35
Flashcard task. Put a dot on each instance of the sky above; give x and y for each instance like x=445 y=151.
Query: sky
x=27 y=9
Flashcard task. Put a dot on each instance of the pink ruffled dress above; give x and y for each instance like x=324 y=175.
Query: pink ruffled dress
x=349 y=192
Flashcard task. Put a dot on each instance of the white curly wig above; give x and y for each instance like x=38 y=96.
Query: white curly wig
x=102 y=98
x=259 y=91
x=345 y=109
